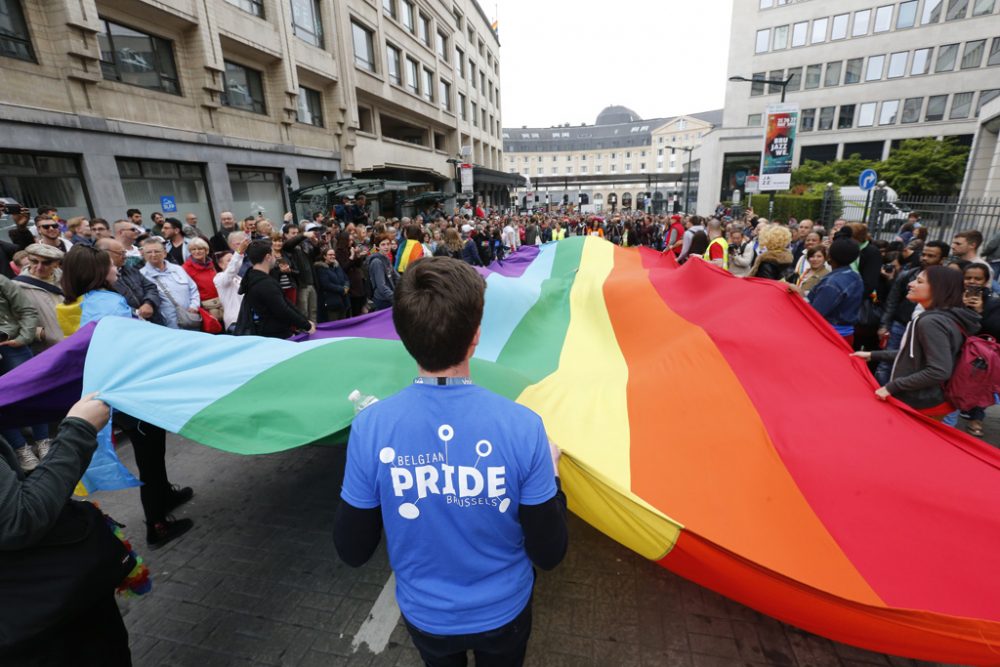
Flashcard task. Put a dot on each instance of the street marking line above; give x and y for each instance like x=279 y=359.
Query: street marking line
x=381 y=621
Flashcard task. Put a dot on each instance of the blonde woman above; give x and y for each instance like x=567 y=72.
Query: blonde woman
x=774 y=263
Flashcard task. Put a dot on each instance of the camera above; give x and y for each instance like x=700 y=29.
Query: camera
x=10 y=206
x=888 y=268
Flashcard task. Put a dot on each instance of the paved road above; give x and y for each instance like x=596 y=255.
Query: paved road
x=257 y=582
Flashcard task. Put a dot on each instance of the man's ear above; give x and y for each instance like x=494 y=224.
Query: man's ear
x=475 y=341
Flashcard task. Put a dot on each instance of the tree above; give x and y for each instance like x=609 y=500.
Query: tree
x=842 y=172
x=926 y=167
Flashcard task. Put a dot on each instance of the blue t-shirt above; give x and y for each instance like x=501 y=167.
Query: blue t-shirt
x=449 y=466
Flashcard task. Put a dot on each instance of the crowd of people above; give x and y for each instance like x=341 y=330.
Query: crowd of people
x=905 y=306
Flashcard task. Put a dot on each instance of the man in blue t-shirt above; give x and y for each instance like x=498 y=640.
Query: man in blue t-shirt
x=464 y=481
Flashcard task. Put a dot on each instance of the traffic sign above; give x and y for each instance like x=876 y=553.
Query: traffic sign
x=168 y=204
x=868 y=179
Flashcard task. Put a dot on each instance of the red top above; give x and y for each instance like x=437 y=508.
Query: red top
x=715 y=251
x=202 y=277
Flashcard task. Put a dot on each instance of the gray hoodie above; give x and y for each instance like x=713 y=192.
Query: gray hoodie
x=927 y=355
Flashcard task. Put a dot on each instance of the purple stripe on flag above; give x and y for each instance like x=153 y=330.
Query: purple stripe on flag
x=372 y=325
x=44 y=388
x=515 y=265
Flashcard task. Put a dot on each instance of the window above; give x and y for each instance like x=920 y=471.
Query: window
x=961 y=105
x=442 y=46
x=957 y=9
x=310 y=109
x=861 y=20
x=889 y=111
x=429 y=86
x=832 y=77
x=773 y=88
x=819 y=31
x=875 y=65
x=813 y=73
x=852 y=73
x=460 y=62
x=766 y=4
x=932 y=11
x=972 y=57
x=393 y=60
x=907 y=15
x=753 y=120
x=628 y=166
x=986 y=97
x=132 y=57
x=424 y=29
x=15 y=42
x=794 y=79
x=994 y=57
x=838 y=29
x=780 y=40
x=883 y=18
x=935 y=107
x=911 y=109
x=464 y=112
x=412 y=76
x=983 y=7
x=826 y=118
x=243 y=88
x=475 y=122
x=799 y=31
x=407 y=8
x=845 y=120
x=444 y=92
x=306 y=23
x=763 y=40
x=472 y=74
x=389 y=7
x=364 y=51
x=808 y=120
x=921 y=62
x=255 y=7
x=897 y=64
x=946 y=58
x=482 y=81
x=866 y=114
x=757 y=87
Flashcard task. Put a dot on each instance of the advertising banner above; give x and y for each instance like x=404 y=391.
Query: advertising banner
x=467 y=179
x=779 y=147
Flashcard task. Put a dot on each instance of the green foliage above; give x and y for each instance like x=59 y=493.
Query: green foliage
x=789 y=206
x=842 y=172
x=926 y=167
x=918 y=167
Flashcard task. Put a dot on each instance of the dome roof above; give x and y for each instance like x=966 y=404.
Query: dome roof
x=616 y=115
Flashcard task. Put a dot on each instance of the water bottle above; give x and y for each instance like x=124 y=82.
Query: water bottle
x=360 y=401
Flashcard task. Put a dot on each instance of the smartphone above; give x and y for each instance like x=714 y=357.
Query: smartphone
x=975 y=290
x=4 y=336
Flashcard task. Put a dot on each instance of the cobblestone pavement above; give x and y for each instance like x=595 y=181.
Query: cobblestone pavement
x=257 y=582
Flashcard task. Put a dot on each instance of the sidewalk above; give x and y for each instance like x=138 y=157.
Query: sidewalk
x=257 y=582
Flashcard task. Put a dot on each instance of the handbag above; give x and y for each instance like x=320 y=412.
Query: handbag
x=209 y=323
x=870 y=313
x=77 y=562
x=185 y=318
x=214 y=307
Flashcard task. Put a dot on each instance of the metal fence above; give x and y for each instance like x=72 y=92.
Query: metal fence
x=942 y=216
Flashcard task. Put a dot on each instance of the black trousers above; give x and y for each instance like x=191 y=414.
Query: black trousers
x=150 y=446
x=96 y=637
x=503 y=647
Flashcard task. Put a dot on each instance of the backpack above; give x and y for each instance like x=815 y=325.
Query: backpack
x=976 y=376
x=247 y=323
x=369 y=287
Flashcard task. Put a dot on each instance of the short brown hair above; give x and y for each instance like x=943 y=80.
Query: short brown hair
x=85 y=269
x=437 y=309
x=973 y=237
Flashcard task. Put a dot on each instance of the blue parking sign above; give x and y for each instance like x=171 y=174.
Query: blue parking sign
x=168 y=205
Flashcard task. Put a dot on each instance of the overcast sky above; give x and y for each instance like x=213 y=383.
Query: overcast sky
x=562 y=62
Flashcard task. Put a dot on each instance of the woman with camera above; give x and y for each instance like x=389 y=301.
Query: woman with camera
x=978 y=298
x=933 y=339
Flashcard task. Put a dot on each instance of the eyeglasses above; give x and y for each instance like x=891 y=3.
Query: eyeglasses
x=48 y=226
x=44 y=262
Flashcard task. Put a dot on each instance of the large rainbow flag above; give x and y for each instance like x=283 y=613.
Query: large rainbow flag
x=714 y=425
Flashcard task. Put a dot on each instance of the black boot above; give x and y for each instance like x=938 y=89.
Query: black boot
x=162 y=532
x=177 y=497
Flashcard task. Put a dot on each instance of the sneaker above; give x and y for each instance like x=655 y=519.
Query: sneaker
x=26 y=458
x=162 y=532
x=178 y=496
x=42 y=447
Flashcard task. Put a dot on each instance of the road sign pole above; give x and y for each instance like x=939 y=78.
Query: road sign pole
x=868 y=201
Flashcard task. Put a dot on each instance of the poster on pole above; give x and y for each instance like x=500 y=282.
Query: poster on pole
x=779 y=147
x=467 y=179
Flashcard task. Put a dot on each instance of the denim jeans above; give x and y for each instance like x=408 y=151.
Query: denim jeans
x=884 y=369
x=11 y=358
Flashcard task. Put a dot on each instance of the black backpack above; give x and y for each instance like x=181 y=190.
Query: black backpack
x=248 y=322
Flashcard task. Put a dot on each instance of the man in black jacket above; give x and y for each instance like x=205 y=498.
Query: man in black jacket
x=265 y=310
x=141 y=293
x=21 y=238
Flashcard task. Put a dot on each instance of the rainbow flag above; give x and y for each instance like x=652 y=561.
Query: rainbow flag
x=409 y=253
x=713 y=424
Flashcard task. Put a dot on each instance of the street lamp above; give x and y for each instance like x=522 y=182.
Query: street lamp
x=774 y=82
x=455 y=161
x=687 y=179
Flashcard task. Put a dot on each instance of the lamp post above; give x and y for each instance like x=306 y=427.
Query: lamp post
x=774 y=82
x=458 y=177
x=687 y=179
x=784 y=86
